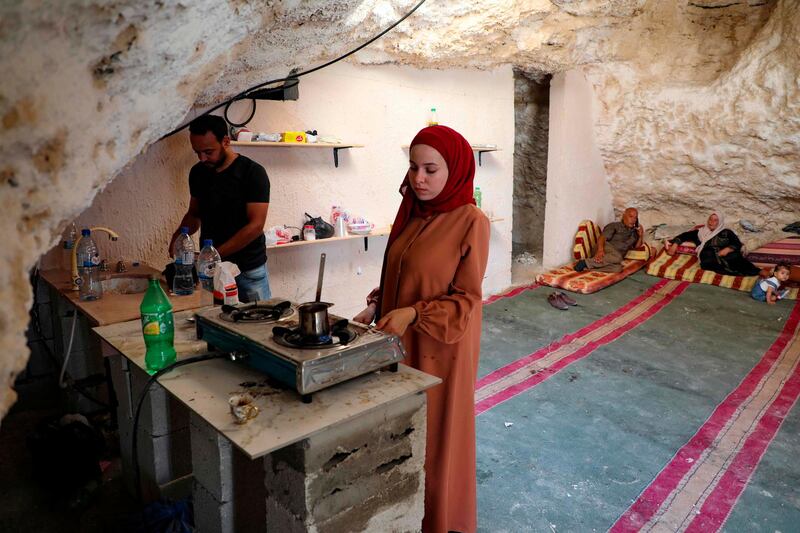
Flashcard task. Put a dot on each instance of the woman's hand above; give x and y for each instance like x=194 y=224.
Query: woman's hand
x=396 y=322
x=725 y=251
x=366 y=316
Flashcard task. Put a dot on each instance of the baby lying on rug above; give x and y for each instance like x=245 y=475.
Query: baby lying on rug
x=768 y=290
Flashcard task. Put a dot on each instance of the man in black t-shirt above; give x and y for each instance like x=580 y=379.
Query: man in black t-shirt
x=229 y=203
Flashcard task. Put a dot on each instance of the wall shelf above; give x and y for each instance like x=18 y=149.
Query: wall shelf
x=480 y=148
x=382 y=232
x=335 y=146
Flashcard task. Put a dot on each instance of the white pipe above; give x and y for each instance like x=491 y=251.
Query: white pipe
x=68 y=351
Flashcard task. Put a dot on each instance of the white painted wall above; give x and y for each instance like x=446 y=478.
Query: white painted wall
x=577 y=186
x=381 y=107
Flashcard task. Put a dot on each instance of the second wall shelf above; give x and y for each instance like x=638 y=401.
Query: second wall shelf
x=334 y=146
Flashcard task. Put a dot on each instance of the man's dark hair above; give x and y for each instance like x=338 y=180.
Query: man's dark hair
x=205 y=123
x=783 y=265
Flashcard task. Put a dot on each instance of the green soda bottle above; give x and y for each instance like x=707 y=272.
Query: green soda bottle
x=157 y=328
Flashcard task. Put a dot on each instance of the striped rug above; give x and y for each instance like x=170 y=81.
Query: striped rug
x=525 y=373
x=516 y=291
x=697 y=490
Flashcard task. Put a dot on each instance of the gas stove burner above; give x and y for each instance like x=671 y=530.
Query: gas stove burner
x=292 y=338
x=256 y=312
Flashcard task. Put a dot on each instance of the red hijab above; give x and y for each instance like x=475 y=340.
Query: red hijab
x=457 y=153
x=460 y=161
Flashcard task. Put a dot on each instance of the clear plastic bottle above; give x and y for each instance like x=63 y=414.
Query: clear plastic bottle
x=87 y=251
x=183 y=282
x=207 y=263
x=309 y=233
x=90 y=287
x=433 y=119
x=157 y=327
x=477 y=195
x=71 y=235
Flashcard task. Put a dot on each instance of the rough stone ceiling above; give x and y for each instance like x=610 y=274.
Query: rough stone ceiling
x=697 y=100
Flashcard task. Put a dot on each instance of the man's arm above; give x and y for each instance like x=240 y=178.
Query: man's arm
x=191 y=220
x=256 y=218
x=640 y=233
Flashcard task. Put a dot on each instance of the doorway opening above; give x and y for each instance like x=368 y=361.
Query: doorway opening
x=532 y=116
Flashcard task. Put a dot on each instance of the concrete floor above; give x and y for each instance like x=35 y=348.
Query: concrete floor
x=570 y=453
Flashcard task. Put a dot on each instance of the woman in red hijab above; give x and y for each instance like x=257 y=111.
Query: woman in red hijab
x=430 y=295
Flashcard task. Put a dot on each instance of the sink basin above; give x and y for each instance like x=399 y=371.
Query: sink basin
x=124 y=285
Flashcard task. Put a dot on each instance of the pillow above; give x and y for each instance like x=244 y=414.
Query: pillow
x=688 y=248
x=586 y=240
x=642 y=253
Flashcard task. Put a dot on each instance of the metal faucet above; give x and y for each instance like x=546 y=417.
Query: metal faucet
x=74 y=261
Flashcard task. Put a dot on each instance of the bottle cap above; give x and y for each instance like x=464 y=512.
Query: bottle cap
x=185 y=230
x=433 y=109
x=155 y=277
x=308 y=226
x=477 y=188
x=86 y=232
x=208 y=242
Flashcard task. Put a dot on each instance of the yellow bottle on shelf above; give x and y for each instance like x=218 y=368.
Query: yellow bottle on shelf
x=432 y=119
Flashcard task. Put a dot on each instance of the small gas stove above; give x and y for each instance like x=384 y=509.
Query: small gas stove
x=265 y=336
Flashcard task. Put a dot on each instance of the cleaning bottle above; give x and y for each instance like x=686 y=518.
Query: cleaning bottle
x=157 y=327
x=477 y=195
x=432 y=118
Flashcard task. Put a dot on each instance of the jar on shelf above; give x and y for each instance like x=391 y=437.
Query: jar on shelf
x=309 y=234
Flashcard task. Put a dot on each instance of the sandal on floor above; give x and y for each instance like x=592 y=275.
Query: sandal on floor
x=566 y=299
x=554 y=300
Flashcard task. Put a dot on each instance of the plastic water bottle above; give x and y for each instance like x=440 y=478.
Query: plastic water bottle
x=157 y=327
x=90 y=288
x=87 y=251
x=69 y=244
x=183 y=282
x=433 y=120
x=477 y=195
x=207 y=263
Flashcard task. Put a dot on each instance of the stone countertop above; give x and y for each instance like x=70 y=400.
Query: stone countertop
x=205 y=387
x=113 y=308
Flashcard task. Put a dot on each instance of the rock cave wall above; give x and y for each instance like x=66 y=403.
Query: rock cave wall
x=699 y=99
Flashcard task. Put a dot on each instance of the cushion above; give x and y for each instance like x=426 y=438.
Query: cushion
x=586 y=240
x=784 y=250
x=590 y=281
x=687 y=268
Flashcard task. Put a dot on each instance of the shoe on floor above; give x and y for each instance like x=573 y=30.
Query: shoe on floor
x=566 y=299
x=580 y=266
x=557 y=302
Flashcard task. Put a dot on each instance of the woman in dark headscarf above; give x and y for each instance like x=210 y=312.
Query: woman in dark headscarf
x=718 y=248
x=430 y=295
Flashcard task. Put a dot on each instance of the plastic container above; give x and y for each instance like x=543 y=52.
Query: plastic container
x=477 y=195
x=70 y=237
x=309 y=233
x=157 y=327
x=90 y=288
x=183 y=282
x=433 y=119
x=87 y=251
x=207 y=263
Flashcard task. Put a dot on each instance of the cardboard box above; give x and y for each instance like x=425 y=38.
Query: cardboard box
x=293 y=137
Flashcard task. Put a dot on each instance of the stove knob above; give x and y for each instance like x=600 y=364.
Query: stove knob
x=237 y=356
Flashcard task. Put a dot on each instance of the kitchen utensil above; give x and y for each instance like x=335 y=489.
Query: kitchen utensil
x=319 y=279
x=340 y=229
x=314 y=315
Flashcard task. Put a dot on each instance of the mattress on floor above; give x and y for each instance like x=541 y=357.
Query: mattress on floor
x=590 y=281
x=784 y=250
x=686 y=267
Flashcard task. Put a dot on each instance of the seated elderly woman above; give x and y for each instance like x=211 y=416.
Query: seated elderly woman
x=718 y=248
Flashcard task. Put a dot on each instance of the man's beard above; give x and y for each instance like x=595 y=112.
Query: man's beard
x=217 y=164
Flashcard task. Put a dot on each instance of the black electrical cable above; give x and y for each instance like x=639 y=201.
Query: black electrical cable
x=153 y=378
x=243 y=95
